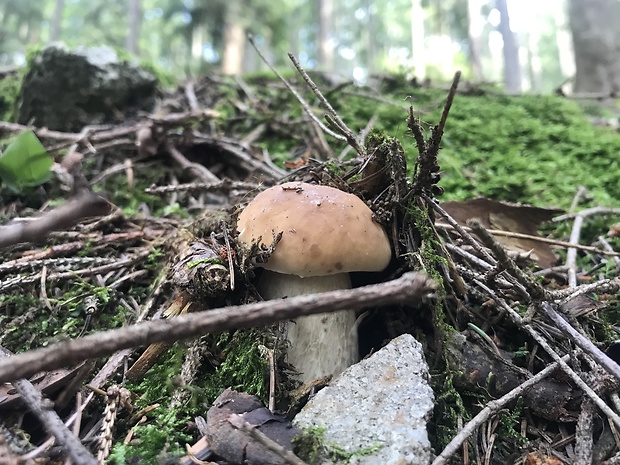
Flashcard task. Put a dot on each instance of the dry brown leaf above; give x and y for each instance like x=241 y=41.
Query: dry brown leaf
x=517 y=218
x=538 y=458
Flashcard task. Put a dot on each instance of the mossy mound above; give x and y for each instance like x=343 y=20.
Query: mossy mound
x=530 y=149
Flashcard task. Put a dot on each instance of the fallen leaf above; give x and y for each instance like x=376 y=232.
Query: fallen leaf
x=517 y=218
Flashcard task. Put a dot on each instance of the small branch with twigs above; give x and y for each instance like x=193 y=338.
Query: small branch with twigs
x=410 y=286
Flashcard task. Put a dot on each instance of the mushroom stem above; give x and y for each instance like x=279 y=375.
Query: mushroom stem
x=323 y=344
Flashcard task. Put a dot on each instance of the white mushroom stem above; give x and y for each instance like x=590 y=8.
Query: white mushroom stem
x=319 y=344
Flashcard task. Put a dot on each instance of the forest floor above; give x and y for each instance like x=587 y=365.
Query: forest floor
x=179 y=176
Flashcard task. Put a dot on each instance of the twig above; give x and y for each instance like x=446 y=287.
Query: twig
x=332 y=117
x=63 y=217
x=43 y=409
x=604 y=286
x=571 y=254
x=584 y=343
x=588 y=212
x=223 y=185
x=545 y=240
x=198 y=170
x=269 y=444
x=583 y=433
x=90 y=271
x=490 y=409
x=534 y=288
x=300 y=99
x=438 y=130
x=229 y=255
x=190 y=94
x=409 y=287
x=581 y=191
x=462 y=231
x=363 y=135
x=607 y=246
x=516 y=318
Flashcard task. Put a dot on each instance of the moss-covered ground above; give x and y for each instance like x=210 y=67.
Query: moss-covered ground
x=528 y=149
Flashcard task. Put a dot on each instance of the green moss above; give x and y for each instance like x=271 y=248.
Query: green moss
x=9 y=91
x=531 y=149
x=311 y=446
x=195 y=263
x=244 y=368
x=151 y=443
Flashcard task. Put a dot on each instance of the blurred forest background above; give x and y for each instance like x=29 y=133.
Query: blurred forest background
x=525 y=45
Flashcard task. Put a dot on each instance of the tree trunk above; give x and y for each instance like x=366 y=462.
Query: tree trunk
x=57 y=21
x=418 y=49
x=135 y=17
x=596 y=42
x=325 y=46
x=512 y=68
x=234 y=39
x=475 y=27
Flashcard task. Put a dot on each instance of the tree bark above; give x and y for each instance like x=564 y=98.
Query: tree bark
x=325 y=47
x=57 y=21
x=135 y=17
x=596 y=42
x=512 y=67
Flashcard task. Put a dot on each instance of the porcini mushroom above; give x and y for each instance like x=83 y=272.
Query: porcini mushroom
x=326 y=234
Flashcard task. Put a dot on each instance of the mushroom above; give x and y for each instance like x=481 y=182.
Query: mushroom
x=326 y=234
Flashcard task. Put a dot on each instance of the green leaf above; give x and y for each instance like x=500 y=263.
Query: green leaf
x=25 y=162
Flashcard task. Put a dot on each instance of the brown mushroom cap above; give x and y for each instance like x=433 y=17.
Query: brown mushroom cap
x=324 y=230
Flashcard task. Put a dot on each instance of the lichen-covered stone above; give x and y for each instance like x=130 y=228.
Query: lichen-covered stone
x=376 y=411
x=66 y=90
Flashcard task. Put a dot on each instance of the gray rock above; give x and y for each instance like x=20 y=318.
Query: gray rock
x=66 y=90
x=382 y=403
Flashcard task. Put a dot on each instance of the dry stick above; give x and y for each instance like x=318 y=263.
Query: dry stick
x=120 y=263
x=198 y=170
x=583 y=434
x=461 y=230
x=607 y=246
x=588 y=212
x=533 y=288
x=299 y=98
x=332 y=117
x=516 y=318
x=409 y=287
x=63 y=217
x=604 y=286
x=43 y=409
x=438 y=130
x=270 y=444
x=225 y=185
x=584 y=343
x=545 y=240
x=363 y=135
x=490 y=409
x=571 y=254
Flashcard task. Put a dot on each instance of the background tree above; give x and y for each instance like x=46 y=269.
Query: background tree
x=135 y=18
x=354 y=38
x=596 y=40
x=325 y=45
x=512 y=67
x=57 y=20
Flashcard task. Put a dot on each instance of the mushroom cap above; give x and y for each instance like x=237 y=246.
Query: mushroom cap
x=324 y=230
